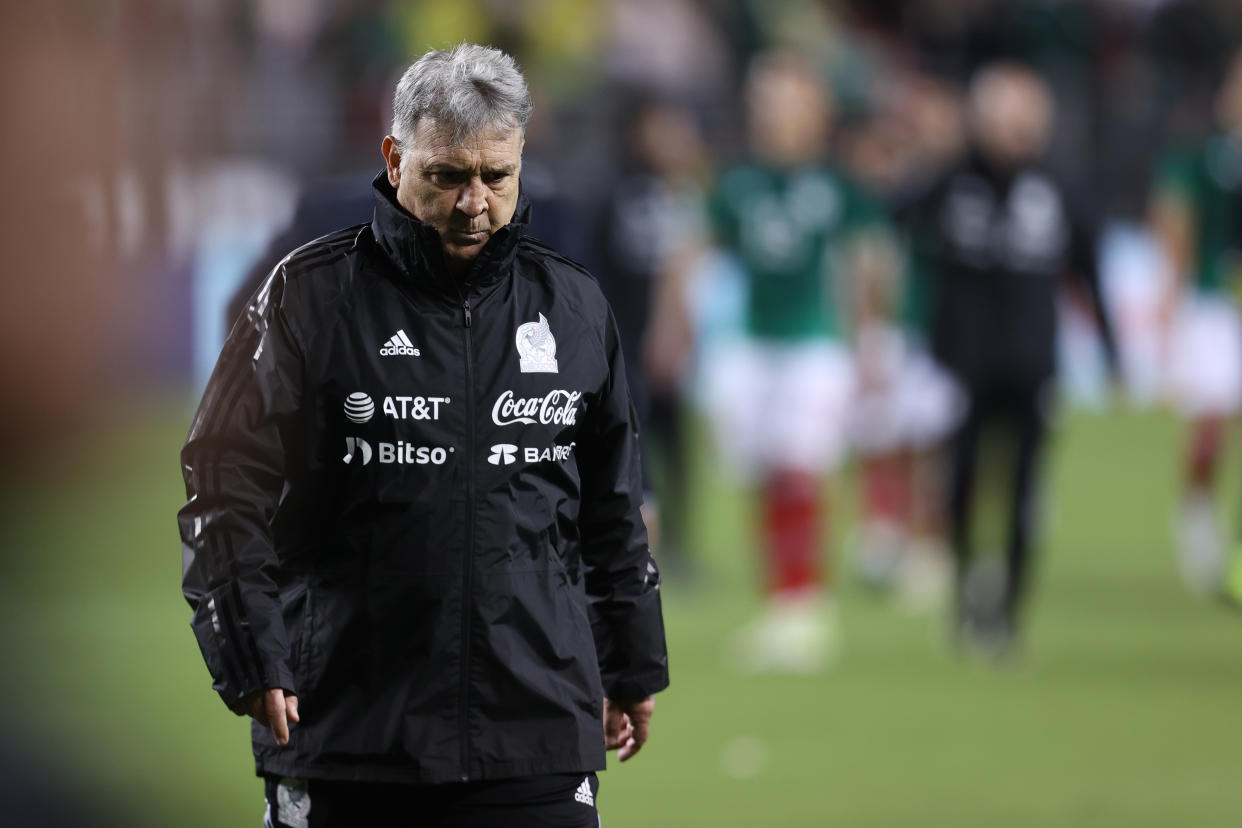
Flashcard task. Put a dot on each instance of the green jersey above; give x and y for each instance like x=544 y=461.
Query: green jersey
x=1209 y=180
x=786 y=228
x=917 y=296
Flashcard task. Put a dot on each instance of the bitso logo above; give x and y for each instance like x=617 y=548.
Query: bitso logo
x=536 y=347
x=399 y=453
x=359 y=408
x=357 y=446
x=503 y=454
x=399 y=345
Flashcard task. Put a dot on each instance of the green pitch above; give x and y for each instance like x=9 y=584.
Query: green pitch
x=1126 y=709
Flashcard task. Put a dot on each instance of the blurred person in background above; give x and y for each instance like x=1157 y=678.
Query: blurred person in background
x=997 y=234
x=655 y=206
x=1196 y=215
x=427 y=625
x=909 y=405
x=800 y=232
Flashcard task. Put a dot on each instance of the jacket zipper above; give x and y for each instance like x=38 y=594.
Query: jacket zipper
x=468 y=564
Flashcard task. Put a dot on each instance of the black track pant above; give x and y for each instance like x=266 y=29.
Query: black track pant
x=555 y=801
x=1017 y=412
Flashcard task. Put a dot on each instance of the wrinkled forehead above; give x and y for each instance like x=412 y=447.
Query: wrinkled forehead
x=443 y=139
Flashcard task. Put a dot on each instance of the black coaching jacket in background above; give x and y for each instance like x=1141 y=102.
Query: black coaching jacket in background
x=998 y=246
x=414 y=502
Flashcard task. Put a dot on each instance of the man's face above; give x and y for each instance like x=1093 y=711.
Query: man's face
x=1012 y=115
x=467 y=190
x=788 y=114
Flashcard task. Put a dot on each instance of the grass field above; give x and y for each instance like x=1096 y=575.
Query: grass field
x=1125 y=710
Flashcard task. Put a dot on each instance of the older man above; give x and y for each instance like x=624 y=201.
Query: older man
x=412 y=542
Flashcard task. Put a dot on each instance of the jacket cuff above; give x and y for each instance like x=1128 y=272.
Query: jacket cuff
x=237 y=666
x=635 y=687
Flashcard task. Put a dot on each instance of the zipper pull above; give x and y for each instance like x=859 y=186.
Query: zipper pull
x=465 y=306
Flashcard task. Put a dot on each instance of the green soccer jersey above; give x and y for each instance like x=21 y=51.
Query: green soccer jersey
x=786 y=228
x=917 y=298
x=1209 y=180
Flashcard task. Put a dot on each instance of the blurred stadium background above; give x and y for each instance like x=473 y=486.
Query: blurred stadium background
x=153 y=149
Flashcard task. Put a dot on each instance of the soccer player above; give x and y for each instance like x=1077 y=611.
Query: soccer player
x=800 y=232
x=997 y=234
x=905 y=413
x=654 y=203
x=1195 y=215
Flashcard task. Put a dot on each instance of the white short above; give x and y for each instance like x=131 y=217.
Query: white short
x=1205 y=357
x=780 y=405
x=911 y=403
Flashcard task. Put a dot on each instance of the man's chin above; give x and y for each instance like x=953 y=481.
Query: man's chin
x=460 y=256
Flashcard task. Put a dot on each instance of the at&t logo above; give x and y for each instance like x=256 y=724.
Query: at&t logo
x=359 y=407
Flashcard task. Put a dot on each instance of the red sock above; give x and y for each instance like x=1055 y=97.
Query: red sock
x=886 y=488
x=791 y=529
x=1206 y=437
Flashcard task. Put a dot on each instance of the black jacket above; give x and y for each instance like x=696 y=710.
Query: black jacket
x=414 y=502
x=998 y=246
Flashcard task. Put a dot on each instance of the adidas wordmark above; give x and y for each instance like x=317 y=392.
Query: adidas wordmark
x=399 y=345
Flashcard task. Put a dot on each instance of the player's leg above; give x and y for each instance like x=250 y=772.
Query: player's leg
x=884 y=461
x=886 y=479
x=1029 y=412
x=1207 y=381
x=930 y=406
x=801 y=431
x=963 y=468
x=663 y=431
x=1201 y=536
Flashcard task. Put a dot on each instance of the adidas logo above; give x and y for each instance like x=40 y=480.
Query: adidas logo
x=583 y=794
x=399 y=345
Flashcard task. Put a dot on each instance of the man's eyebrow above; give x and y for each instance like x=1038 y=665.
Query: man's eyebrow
x=506 y=169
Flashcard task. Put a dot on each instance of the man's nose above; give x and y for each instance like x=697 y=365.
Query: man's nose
x=472 y=199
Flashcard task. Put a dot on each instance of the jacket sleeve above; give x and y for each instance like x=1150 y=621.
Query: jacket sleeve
x=1084 y=262
x=622 y=580
x=233 y=463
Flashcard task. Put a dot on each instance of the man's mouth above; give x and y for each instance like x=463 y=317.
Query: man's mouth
x=469 y=236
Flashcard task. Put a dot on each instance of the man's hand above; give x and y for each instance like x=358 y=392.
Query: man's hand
x=273 y=709
x=626 y=725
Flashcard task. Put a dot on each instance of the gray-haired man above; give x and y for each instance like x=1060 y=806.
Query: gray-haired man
x=412 y=542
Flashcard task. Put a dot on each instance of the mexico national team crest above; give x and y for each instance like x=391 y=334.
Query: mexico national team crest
x=537 y=347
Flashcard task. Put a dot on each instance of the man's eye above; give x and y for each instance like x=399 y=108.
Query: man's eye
x=496 y=177
x=447 y=178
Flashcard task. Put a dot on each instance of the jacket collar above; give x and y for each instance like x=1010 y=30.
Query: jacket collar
x=416 y=251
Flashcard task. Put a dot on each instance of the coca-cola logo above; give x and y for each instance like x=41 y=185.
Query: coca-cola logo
x=558 y=407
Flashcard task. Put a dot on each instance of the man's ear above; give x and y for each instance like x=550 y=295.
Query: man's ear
x=391 y=151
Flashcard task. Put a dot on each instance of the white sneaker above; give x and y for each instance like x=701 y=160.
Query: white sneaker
x=879 y=552
x=1201 y=545
x=925 y=581
x=794 y=635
